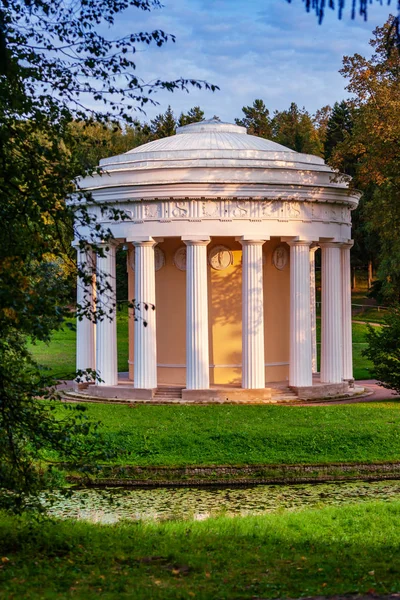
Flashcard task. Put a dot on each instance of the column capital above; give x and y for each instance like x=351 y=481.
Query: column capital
x=299 y=243
x=196 y=240
x=142 y=241
x=250 y=242
x=330 y=244
x=347 y=245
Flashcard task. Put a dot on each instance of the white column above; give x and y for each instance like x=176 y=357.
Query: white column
x=86 y=328
x=313 y=310
x=346 y=312
x=197 y=353
x=145 y=341
x=300 y=367
x=253 y=361
x=331 y=321
x=106 y=335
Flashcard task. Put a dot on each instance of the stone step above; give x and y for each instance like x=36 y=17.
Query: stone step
x=168 y=393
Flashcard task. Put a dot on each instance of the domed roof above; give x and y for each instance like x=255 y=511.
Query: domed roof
x=212 y=158
x=210 y=135
x=211 y=139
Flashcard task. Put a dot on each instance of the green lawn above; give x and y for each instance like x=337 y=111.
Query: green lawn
x=59 y=355
x=239 y=434
x=351 y=549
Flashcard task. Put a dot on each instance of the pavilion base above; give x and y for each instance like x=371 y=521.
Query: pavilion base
x=276 y=393
x=227 y=394
x=322 y=390
x=119 y=392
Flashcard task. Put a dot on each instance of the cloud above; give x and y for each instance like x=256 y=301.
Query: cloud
x=251 y=49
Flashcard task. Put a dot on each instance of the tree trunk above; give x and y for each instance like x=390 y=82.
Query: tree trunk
x=369 y=274
x=353 y=278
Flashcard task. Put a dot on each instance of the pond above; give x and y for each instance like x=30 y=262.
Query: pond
x=113 y=504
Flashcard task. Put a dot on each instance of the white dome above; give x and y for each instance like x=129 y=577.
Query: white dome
x=211 y=158
x=212 y=139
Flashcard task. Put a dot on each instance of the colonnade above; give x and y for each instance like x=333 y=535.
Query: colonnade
x=97 y=344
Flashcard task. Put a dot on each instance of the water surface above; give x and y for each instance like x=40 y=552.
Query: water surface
x=113 y=504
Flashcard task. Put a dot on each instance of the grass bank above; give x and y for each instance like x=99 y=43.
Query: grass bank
x=249 y=435
x=328 y=551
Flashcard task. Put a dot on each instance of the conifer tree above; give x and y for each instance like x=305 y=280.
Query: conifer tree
x=256 y=119
x=340 y=125
x=295 y=129
x=163 y=125
x=194 y=115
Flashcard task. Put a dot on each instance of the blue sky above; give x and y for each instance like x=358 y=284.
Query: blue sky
x=251 y=49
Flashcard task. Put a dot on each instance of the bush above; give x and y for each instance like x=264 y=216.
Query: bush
x=384 y=350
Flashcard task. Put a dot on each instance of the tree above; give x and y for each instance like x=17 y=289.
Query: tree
x=320 y=120
x=339 y=126
x=52 y=60
x=163 y=125
x=295 y=129
x=373 y=147
x=194 y=115
x=384 y=350
x=256 y=119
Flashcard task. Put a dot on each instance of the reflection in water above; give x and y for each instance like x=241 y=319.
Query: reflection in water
x=112 y=504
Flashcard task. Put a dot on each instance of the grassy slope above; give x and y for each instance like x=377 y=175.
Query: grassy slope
x=328 y=551
x=59 y=355
x=238 y=435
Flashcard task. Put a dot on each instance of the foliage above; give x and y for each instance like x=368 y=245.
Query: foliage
x=384 y=350
x=256 y=119
x=163 y=125
x=319 y=6
x=372 y=148
x=295 y=129
x=338 y=127
x=194 y=115
x=309 y=553
x=60 y=78
x=31 y=428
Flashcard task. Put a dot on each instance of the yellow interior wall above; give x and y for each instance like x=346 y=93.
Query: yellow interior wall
x=276 y=314
x=225 y=316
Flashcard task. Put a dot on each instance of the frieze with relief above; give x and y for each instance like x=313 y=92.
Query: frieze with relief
x=233 y=209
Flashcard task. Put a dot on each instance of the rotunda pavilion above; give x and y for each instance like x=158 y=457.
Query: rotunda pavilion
x=222 y=229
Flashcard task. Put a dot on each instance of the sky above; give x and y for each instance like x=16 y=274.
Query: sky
x=267 y=49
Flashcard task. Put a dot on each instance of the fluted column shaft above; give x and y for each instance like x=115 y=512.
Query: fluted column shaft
x=106 y=334
x=346 y=312
x=300 y=367
x=313 y=310
x=253 y=360
x=331 y=321
x=86 y=328
x=197 y=352
x=145 y=342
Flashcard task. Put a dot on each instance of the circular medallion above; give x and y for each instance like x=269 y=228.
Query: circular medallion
x=280 y=257
x=159 y=258
x=180 y=258
x=220 y=258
